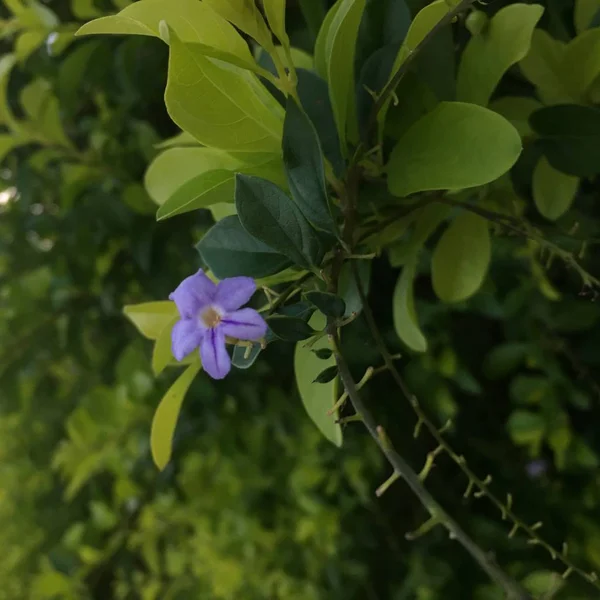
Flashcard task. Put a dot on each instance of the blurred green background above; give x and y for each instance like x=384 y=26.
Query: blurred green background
x=255 y=504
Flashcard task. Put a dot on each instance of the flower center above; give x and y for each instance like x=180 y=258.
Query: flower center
x=210 y=317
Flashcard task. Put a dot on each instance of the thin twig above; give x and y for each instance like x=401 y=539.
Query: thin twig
x=404 y=470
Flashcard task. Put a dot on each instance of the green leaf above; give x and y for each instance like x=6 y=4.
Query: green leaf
x=329 y=304
x=570 y=138
x=275 y=11
x=7 y=143
x=585 y=11
x=150 y=318
x=323 y=353
x=504 y=359
x=327 y=375
x=208 y=188
x=228 y=57
x=270 y=216
x=461 y=258
x=526 y=428
x=488 y=56
x=405 y=319
x=347 y=288
x=517 y=110
x=192 y=21
x=303 y=162
x=221 y=107
x=584 y=52
x=230 y=251
x=161 y=353
x=290 y=329
x=28 y=42
x=455 y=146
x=317 y=398
x=314 y=97
x=245 y=16
x=340 y=51
x=544 y=67
x=553 y=191
x=166 y=415
x=543 y=583
x=175 y=167
x=321 y=57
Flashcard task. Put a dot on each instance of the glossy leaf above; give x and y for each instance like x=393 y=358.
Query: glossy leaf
x=405 y=319
x=314 y=96
x=317 y=398
x=270 y=216
x=221 y=107
x=455 y=146
x=329 y=304
x=461 y=258
x=166 y=415
x=553 y=191
x=275 y=11
x=327 y=375
x=489 y=55
x=570 y=138
x=230 y=251
x=340 y=51
x=290 y=329
x=321 y=43
x=150 y=318
x=245 y=16
x=192 y=21
x=303 y=161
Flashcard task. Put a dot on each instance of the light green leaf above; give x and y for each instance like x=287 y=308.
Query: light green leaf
x=543 y=583
x=453 y=147
x=461 y=258
x=85 y=9
x=489 y=55
x=232 y=59
x=161 y=353
x=7 y=143
x=553 y=191
x=317 y=398
x=192 y=21
x=28 y=42
x=543 y=66
x=221 y=107
x=584 y=12
x=208 y=188
x=405 y=318
x=321 y=43
x=214 y=187
x=526 y=428
x=584 y=53
x=166 y=415
x=340 y=52
x=425 y=20
x=270 y=216
x=221 y=210
x=275 y=10
x=517 y=110
x=150 y=318
x=180 y=139
x=245 y=16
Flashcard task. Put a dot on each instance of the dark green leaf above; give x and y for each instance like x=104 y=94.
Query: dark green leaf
x=329 y=304
x=290 y=329
x=302 y=310
x=323 y=353
x=270 y=216
x=229 y=250
x=244 y=357
x=570 y=137
x=347 y=288
x=327 y=375
x=314 y=96
x=303 y=162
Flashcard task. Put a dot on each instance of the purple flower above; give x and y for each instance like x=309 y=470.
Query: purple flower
x=210 y=313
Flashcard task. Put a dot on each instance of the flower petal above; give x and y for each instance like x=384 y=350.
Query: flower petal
x=244 y=324
x=234 y=292
x=193 y=294
x=215 y=358
x=185 y=337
